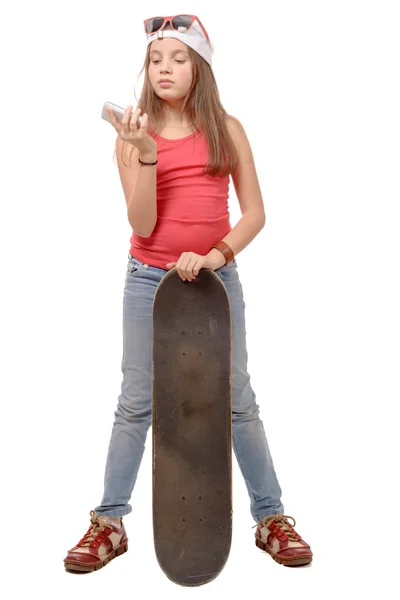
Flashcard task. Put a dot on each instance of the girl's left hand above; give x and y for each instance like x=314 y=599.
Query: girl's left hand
x=189 y=264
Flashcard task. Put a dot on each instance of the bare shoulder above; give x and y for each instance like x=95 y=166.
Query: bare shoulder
x=240 y=139
x=235 y=128
x=232 y=122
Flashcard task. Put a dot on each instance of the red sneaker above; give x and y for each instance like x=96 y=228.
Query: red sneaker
x=276 y=536
x=104 y=540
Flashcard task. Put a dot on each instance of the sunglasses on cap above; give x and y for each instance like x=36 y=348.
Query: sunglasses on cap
x=180 y=23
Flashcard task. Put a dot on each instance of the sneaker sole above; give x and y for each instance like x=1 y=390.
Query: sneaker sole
x=287 y=562
x=76 y=567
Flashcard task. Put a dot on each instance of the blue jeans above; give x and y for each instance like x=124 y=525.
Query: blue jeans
x=134 y=410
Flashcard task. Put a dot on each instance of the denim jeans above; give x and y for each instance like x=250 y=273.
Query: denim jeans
x=133 y=415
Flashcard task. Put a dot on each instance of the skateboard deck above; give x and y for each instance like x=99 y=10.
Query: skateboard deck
x=192 y=427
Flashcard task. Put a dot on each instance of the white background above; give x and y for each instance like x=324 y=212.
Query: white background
x=316 y=87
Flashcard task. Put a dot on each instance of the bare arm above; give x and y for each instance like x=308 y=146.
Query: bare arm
x=249 y=195
x=139 y=185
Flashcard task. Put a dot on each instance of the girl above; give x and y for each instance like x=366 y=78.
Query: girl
x=175 y=180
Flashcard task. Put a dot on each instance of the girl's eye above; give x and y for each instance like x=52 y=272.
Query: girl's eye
x=179 y=61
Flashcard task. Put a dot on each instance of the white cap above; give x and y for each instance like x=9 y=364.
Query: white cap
x=193 y=37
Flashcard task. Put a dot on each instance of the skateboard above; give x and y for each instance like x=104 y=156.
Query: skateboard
x=192 y=427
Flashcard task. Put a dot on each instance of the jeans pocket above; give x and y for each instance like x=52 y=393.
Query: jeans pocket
x=134 y=265
x=133 y=269
x=229 y=271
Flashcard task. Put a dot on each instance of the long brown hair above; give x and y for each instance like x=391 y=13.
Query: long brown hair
x=202 y=108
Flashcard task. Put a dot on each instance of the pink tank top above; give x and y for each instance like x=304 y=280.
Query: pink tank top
x=192 y=208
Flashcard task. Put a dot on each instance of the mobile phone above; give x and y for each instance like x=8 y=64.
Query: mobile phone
x=118 y=112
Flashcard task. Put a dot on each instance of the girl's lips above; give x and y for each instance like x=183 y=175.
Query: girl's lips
x=166 y=83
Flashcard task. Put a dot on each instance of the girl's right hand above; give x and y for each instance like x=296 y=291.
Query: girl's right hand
x=129 y=131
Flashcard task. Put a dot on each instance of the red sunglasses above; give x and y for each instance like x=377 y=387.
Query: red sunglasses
x=177 y=22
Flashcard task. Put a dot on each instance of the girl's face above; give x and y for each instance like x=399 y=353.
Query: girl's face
x=169 y=59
